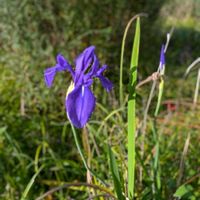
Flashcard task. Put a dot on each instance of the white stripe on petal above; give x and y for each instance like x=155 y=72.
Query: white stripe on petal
x=82 y=91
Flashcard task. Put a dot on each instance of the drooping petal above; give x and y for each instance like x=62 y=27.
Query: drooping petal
x=101 y=70
x=63 y=64
x=106 y=83
x=49 y=75
x=83 y=61
x=80 y=104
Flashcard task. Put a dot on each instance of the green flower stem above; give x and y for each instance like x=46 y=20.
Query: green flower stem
x=82 y=156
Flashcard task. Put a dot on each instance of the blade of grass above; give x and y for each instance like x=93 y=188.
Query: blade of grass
x=196 y=93
x=156 y=167
x=115 y=174
x=31 y=182
x=188 y=70
x=190 y=67
x=131 y=111
x=183 y=157
x=70 y=185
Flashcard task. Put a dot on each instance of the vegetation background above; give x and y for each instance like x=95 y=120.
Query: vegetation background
x=33 y=126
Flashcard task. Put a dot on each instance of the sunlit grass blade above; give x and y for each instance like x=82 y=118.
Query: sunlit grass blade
x=31 y=182
x=190 y=67
x=115 y=174
x=131 y=111
x=183 y=158
x=188 y=70
x=196 y=93
x=81 y=187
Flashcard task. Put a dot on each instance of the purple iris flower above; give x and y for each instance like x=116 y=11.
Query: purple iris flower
x=162 y=57
x=80 y=101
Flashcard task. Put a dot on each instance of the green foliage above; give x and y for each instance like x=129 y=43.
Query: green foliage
x=184 y=191
x=34 y=130
x=115 y=175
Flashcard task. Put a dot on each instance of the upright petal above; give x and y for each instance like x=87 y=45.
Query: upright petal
x=92 y=71
x=83 y=61
x=49 y=75
x=80 y=104
x=94 y=67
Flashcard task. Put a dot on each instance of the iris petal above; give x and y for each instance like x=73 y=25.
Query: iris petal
x=101 y=70
x=93 y=70
x=83 y=61
x=162 y=56
x=106 y=83
x=94 y=67
x=62 y=64
x=80 y=104
x=49 y=75
x=61 y=60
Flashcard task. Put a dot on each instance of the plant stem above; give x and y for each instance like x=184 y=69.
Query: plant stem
x=197 y=88
x=82 y=156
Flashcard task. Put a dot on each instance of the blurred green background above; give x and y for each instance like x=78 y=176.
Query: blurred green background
x=32 y=117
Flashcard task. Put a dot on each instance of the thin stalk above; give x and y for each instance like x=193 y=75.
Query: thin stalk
x=86 y=147
x=156 y=167
x=82 y=156
x=192 y=66
x=153 y=87
x=184 y=153
x=156 y=173
x=188 y=70
x=197 y=88
x=71 y=185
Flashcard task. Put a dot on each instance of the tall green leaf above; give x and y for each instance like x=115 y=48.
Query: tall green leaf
x=131 y=110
